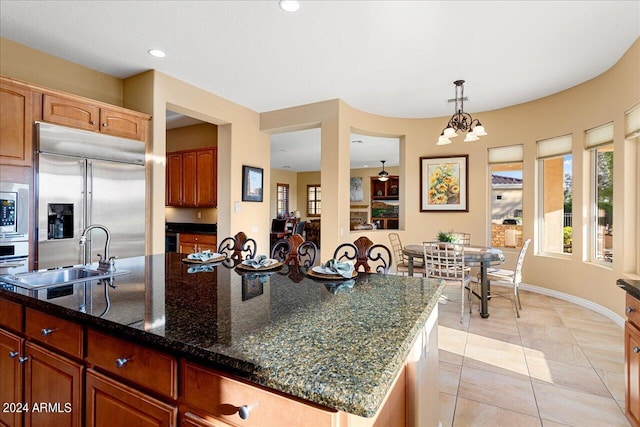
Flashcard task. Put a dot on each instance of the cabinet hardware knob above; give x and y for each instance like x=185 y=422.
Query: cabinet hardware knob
x=630 y=310
x=93 y=122
x=23 y=359
x=13 y=354
x=244 y=410
x=46 y=331
x=121 y=362
x=636 y=349
x=104 y=125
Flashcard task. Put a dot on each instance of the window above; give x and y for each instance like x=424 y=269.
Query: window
x=555 y=197
x=600 y=142
x=282 y=199
x=505 y=168
x=314 y=200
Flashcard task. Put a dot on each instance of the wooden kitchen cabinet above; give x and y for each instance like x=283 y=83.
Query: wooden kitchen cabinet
x=190 y=243
x=632 y=361
x=189 y=419
x=11 y=377
x=111 y=403
x=16 y=123
x=192 y=178
x=222 y=398
x=56 y=382
x=83 y=114
x=385 y=215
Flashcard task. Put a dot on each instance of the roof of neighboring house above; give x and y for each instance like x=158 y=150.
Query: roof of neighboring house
x=497 y=180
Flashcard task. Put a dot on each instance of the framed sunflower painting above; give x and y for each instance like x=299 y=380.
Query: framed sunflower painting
x=444 y=184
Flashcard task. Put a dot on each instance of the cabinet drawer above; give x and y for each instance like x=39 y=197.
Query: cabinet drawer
x=222 y=397
x=110 y=403
x=58 y=333
x=121 y=124
x=11 y=315
x=208 y=239
x=150 y=369
x=633 y=310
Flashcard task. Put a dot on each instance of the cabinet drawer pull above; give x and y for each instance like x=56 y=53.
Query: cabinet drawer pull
x=121 y=362
x=23 y=359
x=244 y=410
x=630 y=310
x=636 y=349
x=46 y=331
x=13 y=354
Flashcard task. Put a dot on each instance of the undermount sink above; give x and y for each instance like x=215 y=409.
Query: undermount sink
x=62 y=276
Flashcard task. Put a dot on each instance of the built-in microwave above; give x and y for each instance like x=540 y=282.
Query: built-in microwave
x=14 y=210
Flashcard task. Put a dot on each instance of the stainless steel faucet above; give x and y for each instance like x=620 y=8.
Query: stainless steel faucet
x=105 y=263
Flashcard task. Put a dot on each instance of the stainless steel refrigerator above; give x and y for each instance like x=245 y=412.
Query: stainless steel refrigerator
x=86 y=178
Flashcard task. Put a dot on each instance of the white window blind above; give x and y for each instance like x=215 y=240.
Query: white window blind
x=510 y=154
x=632 y=122
x=554 y=146
x=599 y=136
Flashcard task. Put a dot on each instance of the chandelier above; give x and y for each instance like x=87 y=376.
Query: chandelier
x=383 y=175
x=461 y=121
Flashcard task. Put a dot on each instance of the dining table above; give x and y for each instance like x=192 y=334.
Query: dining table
x=478 y=256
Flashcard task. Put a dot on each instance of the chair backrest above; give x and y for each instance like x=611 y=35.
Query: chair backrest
x=517 y=273
x=461 y=238
x=300 y=227
x=365 y=254
x=277 y=225
x=444 y=260
x=396 y=246
x=296 y=251
x=237 y=248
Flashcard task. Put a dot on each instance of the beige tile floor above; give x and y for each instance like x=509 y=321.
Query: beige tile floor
x=557 y=365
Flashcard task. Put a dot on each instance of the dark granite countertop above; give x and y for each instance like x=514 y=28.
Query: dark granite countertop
x=341 y=349
x=631 y=286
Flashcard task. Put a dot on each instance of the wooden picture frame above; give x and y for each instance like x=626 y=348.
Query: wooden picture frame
x=252 y=184
x=444 y=184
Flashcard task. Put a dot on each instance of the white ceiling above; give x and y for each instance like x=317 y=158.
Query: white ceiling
x=394 y=58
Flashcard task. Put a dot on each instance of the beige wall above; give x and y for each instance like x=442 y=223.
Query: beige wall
x=190 y=137
x=30 y=65
x=243 y=139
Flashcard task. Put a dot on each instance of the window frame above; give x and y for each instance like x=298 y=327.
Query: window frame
x=282 y=200
x=317 y=210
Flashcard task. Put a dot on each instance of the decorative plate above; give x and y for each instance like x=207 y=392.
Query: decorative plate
x=245 y=267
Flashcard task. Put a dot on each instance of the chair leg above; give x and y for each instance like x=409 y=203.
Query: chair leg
x=515 y=300
x=517 y=286
x=462 y=302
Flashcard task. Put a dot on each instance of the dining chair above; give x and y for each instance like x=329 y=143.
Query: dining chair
x=295 y=251
x=461 y=238
x=365 y=254
x=237 y=248
x=446 y=261
x=402 y=260
x=510 y=278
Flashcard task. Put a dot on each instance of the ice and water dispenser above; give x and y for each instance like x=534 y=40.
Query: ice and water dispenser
x=60 y=222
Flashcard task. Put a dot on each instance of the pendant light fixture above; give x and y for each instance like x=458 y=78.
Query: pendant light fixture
x=461 y=121
x=383 y=175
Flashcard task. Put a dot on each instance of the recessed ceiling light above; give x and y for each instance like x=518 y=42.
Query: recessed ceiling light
x=157 y=53
x=289 y=5
x=286 y=167
x=357 y=141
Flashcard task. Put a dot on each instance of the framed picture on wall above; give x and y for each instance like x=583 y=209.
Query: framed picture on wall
x=252 y=183
x=444 y=184
x=356 y=194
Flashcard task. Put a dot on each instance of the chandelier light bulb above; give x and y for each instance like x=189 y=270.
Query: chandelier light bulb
x=443 y=140
x=450 y=133
x=479 y=130
x=471 y=137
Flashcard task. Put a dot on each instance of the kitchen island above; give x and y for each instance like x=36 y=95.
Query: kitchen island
x=311 y=352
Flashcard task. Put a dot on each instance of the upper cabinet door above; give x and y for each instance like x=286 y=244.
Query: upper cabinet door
x=16 y=130
x=69 y=112
x=206 y=194
x=121 y=124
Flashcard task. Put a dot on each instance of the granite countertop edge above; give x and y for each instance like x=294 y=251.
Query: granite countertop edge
x=363 y=403
x=631 y=286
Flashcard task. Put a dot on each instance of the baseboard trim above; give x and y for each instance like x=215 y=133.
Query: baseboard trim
x=618 y=320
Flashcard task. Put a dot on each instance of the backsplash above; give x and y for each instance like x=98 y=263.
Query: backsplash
x=207 y=216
